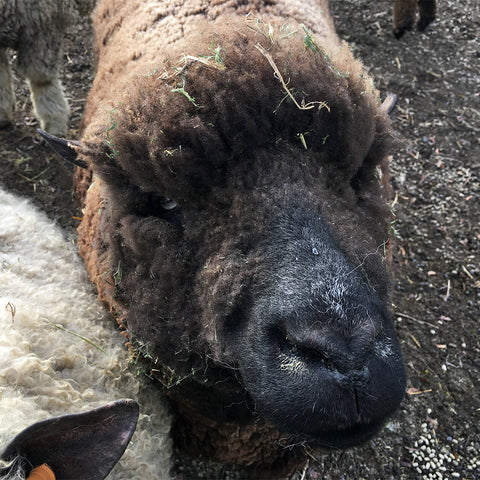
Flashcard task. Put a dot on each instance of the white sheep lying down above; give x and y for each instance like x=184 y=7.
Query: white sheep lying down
x=59 y=353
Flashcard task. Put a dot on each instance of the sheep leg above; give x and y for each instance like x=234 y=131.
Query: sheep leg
x=427 y=9
x=40 y=67
x=7 y=94
x=50 y=105
x=403 y=16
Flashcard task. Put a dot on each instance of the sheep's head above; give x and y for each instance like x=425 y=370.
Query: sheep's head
x=248 y=237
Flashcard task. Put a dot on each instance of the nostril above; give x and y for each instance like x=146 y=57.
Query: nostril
x=311 y=350
x=317 y=355
x=317 y=348
x=324 y=358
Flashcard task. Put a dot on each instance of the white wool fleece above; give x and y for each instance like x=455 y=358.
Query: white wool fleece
x=60 y=352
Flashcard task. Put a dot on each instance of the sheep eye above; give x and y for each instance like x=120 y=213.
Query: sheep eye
x=167 y=203
x=168 y=209
x=153 y=205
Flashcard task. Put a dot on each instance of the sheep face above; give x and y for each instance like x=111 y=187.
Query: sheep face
x=240 y=240
x=259 y=282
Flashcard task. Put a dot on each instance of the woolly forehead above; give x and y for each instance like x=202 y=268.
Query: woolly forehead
x=232 y=98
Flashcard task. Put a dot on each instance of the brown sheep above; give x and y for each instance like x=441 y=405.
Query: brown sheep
x=405 y=11
x=235 y=223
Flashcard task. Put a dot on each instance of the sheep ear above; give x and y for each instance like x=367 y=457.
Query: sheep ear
x=65 y=148
x=389 y=103
x=83 y=445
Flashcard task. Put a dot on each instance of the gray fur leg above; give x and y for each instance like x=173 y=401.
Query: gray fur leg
x=50 y=105
x=7 y=94
x=40 y=64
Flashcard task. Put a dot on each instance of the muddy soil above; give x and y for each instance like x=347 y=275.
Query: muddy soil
x=436 y=177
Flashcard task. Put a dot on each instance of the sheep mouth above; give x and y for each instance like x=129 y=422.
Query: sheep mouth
x=341 y=437
x=319 y=399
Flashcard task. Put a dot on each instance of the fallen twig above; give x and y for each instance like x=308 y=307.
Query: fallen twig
x=416 y=391
x=408 y=317
x=447 y=295
x=417 y=343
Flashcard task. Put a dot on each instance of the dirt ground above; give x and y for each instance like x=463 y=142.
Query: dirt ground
x=436 y=176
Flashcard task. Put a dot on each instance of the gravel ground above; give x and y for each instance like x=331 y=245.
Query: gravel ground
x=436 y=176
